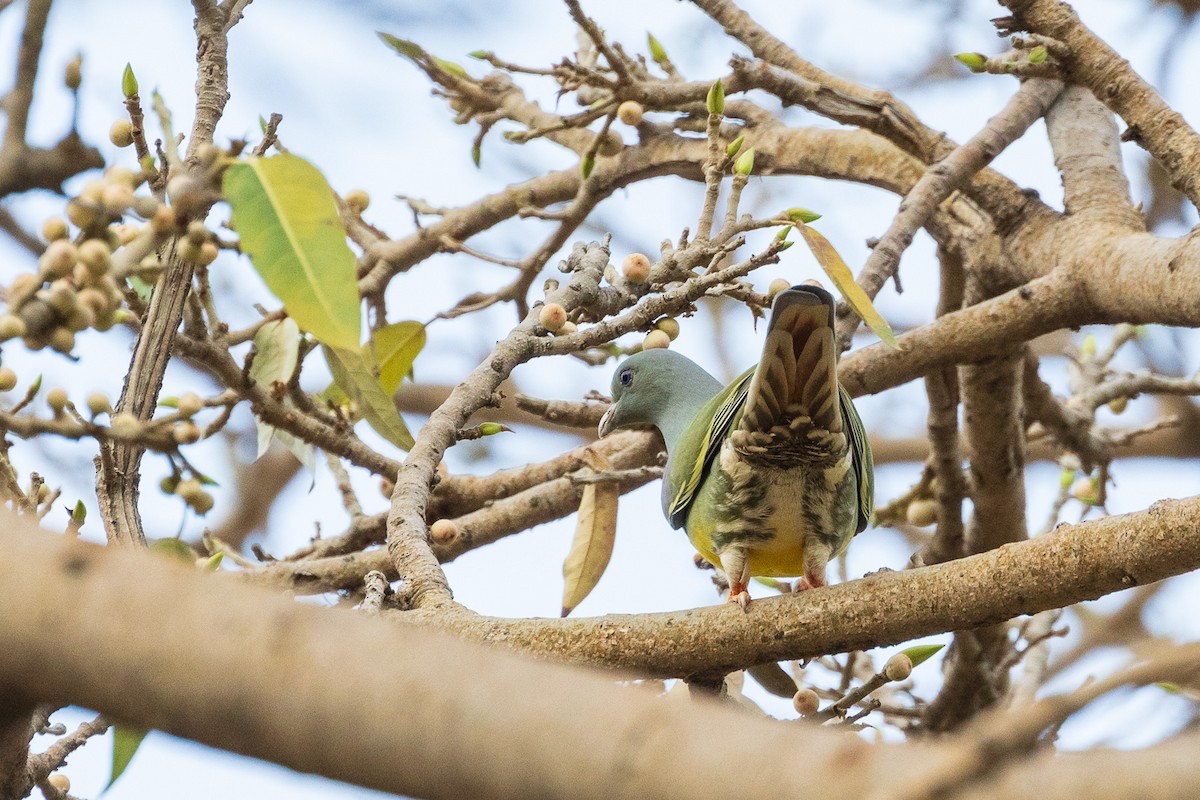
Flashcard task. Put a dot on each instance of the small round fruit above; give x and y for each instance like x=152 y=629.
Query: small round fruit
x=145 y=205
x=197 y=232
x=630 y=112
x=1118 y=404
x=656 y=339
x=202 y=503
x=806 y=702
x=552 y=317
x=43 y=493
x=186 y=433
x=83 y=214
x=121 y=133
x=1085 y=490
x=117 y=198
x=97 y=403
x=57 y=399
x=207 y=254
x=443 y=531
x=54 y=229
x=186 y=194
x=8 y=379
x=62 y=340
x=921 y=512
x=11 y=326
x=95 y=256
x=189 y=489
x=189 y=404
x=898 y=667
x=567 y=329
x=778 y=285
x=636 y=268
x=120 y=174
x=60 y=782
x=124 y=426
x=386 y=487
x=669 y=326
x=169 y=484
x=58 y=260
x=358 y=201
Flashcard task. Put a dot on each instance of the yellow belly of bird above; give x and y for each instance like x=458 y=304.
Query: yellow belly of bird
x=780 y=553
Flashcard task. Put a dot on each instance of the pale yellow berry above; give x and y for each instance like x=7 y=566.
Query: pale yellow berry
x=57 y=399
x=83 y=214
x=146 y=206
x=186 y=432
x=124 y=426
x=8 y=379
x=189 y=404
x=186 y=194
x=630 y=112
x=636 y=268
x=117 y=198
x=97 y=403
x=120 y=174
x=386 y=487
x=898 y=667
x=806 y=702
x=552 y=317
x=95 y=256
x=1086 y=491
x=358 y=201
x=169 y=484
x=60 y=782
x=669 y=326
x=202 y=503
x=58 y=260
x=921 y=512
x=207 y=254
x=121 y=133
x=567 y=329
x=656 y=339
x=443 y=531
x=162 y=220
x=188 y=490
x=73 y=75
x=11 y=326
x=1117 y=405
x=197 y=232
x=125 y=234
x=54 y=229
x=778 y=285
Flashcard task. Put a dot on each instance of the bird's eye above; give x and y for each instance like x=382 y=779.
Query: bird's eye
x=626 y=377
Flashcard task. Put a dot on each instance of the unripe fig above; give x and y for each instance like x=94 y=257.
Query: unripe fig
x=636 y=268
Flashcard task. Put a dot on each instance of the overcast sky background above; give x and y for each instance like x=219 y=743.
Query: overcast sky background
x=365 y=117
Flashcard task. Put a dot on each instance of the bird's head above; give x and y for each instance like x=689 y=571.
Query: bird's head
x=652 y=388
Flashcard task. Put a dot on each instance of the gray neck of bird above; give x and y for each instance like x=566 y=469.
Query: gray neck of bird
x=674 y=421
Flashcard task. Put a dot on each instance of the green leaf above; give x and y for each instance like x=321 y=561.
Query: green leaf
x=126 y=742
x=478 y=54
x=410 y=50
x=476 y=155
x=285 y=213
x=841 y=276
x=214 y=561
x=918 y=654
x=589 y=163
x=353 y=374
x=129 y=84
x=657 y=51
x=143 y=289
x=716 y=98
x=174 y=548
x=803 y=215
x=1169 y=687
x=745 y=162
x=972 y=61
x=395 y=348
x=1038 y=54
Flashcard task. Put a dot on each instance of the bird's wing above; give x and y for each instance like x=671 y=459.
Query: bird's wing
x=793 y=406
x=863 y=461
x=697 y=448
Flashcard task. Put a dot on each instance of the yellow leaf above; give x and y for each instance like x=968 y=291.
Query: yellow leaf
x=592 y=546
x=354 y=376
x=841 y=276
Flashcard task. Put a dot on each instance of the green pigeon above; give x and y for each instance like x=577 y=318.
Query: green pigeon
x=771 y=475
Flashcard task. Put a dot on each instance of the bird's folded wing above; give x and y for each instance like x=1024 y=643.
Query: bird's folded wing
x=698 y=447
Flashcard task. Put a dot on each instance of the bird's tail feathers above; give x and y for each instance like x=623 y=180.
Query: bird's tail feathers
x=796 y=381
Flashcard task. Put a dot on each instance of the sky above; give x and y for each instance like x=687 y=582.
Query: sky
x=366 y=118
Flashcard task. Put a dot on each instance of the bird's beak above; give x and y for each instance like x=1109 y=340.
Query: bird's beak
x=605 y=426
